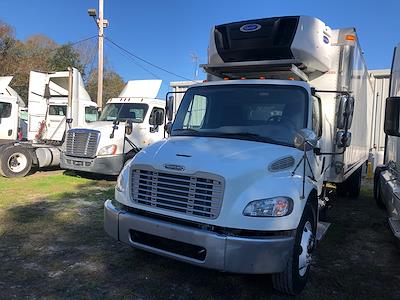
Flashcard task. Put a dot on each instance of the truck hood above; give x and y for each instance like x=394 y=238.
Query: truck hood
x=226 y=157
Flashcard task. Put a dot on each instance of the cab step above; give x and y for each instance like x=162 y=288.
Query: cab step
x=394 y=224
x=322 y=228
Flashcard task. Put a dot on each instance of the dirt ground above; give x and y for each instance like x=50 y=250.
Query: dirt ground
x=55 y=247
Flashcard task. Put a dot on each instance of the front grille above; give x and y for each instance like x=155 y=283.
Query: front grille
x=199 y=195
x=82 y=143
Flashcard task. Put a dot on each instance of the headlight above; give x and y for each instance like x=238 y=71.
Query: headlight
x=122 y=181
x=108 y=150
x=271 y=207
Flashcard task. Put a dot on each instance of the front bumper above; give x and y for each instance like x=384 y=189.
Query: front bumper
x=225 y=253
x=108 y=165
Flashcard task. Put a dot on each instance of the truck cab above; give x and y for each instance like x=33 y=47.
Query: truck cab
x=11 y=106
x=386 y=178
x=239 y=184
x=32 y=136
x=126 y=125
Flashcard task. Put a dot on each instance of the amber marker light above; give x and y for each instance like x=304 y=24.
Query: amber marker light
x=350 y=37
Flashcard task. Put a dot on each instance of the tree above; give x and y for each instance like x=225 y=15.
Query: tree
x=64 y=57
x=112 y=85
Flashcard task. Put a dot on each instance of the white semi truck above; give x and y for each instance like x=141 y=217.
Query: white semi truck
x=239 y=184
x=386 y=179
x=127 y=124
x=36 y=139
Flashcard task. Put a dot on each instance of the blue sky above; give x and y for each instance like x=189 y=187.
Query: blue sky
x=168 y=32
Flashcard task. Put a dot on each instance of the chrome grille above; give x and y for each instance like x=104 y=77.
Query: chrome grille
x=82 y=142
x=200 y=194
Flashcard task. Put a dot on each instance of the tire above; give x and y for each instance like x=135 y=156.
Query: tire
x=377 y=187
x=15 y=161
x=293 y=279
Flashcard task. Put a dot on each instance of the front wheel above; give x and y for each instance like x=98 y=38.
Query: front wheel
x=15 y=161
x=294 y=278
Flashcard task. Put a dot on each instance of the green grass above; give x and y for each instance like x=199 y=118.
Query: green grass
x=18 y=191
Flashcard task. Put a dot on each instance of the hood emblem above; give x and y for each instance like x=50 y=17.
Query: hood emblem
x=174 y=167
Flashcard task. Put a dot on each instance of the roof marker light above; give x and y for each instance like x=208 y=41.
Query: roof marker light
x=350 y=37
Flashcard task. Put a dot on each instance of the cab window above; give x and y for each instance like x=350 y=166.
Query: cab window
x=58 y=110
x=5 y=110
x=91 y=114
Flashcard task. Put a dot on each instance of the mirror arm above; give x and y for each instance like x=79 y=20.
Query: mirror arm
x=317 y=151
x=115 y=126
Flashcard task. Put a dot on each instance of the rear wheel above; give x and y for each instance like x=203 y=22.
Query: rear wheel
x=294 y=278
x=15 y=161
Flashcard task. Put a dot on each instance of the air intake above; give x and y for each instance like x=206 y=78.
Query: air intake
x=281 y=164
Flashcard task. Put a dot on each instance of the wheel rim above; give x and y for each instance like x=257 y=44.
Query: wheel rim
x=17 y=162
x=306 y=247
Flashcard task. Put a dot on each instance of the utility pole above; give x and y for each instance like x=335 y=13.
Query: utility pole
x=195 y=59
x=101 y=24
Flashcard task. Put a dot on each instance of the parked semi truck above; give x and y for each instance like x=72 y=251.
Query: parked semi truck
x=240 y=182
x=127 y=124
x=35 y=139
x=386 y=178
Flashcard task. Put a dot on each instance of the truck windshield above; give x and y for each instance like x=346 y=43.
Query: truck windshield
x=124 y=111
x=264 y=113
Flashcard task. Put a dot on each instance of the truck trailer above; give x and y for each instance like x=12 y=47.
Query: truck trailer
x=240 y=184
x=128 y=123
x=32 y=136
x=386 y=176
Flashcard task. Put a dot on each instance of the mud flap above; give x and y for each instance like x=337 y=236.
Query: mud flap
x=322 y=228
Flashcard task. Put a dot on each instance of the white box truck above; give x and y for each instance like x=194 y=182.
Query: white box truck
x=239 y=183
x=128 y=123
x=35 y=139
x=386 y=178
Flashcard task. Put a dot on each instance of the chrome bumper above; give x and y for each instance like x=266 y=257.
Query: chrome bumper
x=224 y=253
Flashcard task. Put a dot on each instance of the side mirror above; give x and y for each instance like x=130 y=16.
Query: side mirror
x=170 y=108
x=305 y=139
x=392 y=113
x=157 y=118
x=128 y=127
x=343 y=139
x=345 y=112
x=47 y=94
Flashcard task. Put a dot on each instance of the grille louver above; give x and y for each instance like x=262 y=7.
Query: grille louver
x=199 y=195
x=82 y=143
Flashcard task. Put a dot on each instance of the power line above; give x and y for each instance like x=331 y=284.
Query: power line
x=146 y=61
x=135 y=62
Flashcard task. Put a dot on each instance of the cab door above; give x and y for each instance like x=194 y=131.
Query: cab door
x=8 y=118
x=56 y=122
